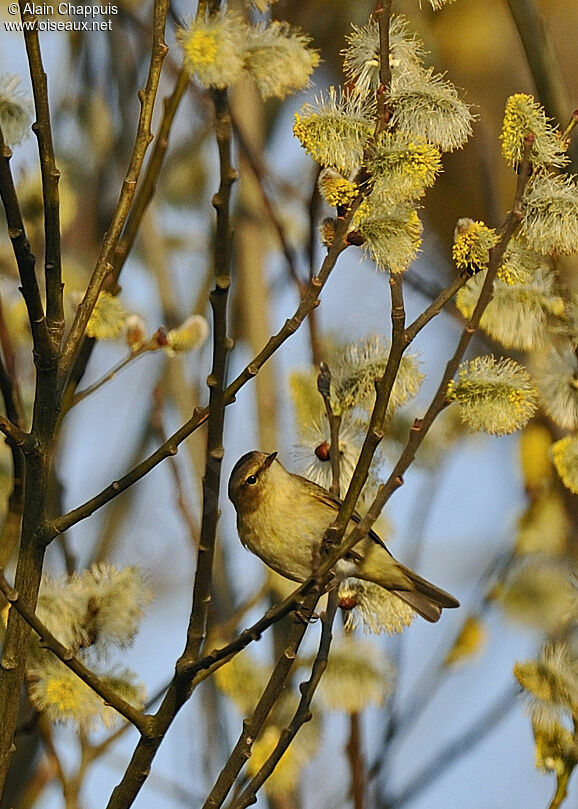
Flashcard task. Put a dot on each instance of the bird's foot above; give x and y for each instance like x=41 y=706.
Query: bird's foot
x=300 y=616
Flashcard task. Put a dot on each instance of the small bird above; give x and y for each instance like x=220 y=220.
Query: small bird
x=282 y=517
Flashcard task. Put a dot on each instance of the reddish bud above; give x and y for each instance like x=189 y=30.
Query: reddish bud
x=355 y=238
x=322 y=451
x=348 y=602
x=160 y=337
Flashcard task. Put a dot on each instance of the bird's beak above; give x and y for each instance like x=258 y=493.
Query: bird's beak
x=269 y=460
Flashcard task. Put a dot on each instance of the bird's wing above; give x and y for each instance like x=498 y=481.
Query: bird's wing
x=329 y=499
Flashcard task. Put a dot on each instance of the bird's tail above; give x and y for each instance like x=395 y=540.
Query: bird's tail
x=425 y=598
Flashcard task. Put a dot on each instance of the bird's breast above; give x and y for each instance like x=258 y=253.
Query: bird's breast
x=285 y=537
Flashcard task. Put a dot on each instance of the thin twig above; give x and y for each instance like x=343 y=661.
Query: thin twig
x=181 y=497
x=383 y=13
x=142 y=198
x=541 y=56
x=147 y=186
x=435 y=307
x=82 y=394
x=356 y=762
x=104 y=266
x=258 y=171
x=16 y=436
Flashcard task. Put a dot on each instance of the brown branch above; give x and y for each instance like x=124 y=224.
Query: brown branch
x=104 y=266
x=216 y=381
x=383 y=13
x=147 y=186
x=15 y=435
x=38 y=450
x=43 y=349
x=435 y=307
x=181 y=498
x=90 y=389
x=302 y=714
x=313 y=210
x=66 y=656
x=50 y=177
x=180 y=689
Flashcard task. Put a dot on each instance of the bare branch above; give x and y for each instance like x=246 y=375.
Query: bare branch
x=25 y=260
x=104 y=266
x=50 y=177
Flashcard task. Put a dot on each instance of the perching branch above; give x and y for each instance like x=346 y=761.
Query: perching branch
x=253 y=726
x=92 y=680
x=303 y=713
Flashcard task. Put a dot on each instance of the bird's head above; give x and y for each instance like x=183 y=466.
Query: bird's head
x=250 y=475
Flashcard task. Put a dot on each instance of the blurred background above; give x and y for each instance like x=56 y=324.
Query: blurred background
x=453 y=730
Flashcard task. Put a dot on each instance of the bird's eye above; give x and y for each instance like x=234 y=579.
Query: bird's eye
x=251 y=480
